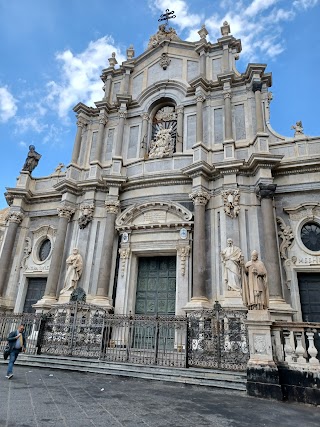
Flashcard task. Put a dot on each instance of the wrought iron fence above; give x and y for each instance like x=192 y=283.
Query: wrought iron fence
x=209 y=339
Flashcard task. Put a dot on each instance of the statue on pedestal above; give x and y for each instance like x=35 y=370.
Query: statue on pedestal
x=32 y=160
x=232 y=260
x=255 y=291
x=74 y=271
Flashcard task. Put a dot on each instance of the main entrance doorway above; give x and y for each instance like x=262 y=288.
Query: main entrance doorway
x=36 y=288
x=156 y=286
x=309 y=286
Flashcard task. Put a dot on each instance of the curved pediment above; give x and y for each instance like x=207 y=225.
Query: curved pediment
x=153 y=214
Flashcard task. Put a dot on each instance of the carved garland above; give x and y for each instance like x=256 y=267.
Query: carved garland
x=86 y=215
x=124 y=255
x=231 y=199
x=183 y=252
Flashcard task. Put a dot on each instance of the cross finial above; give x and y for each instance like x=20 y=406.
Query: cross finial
x=166 y=16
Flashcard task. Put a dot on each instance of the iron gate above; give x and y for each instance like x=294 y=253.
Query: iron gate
x=218 y=338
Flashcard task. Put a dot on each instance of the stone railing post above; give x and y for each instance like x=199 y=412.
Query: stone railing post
x=14 y=219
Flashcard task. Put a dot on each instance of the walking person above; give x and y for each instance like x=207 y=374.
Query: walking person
x=17 y=343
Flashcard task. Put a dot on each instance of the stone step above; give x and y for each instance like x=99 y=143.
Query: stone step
x=196 y=376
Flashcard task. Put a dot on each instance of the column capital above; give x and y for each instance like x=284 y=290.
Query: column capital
x=145 y=116
x=81 y=123
x=112 y=206
x=266 y=191
x=122 y=114
x=256 y=85
x=102 y=120
x=180 y=109
x=199 y=197
x=15 y=217
x=227 y=94
x=65 y=212
x=200 y=98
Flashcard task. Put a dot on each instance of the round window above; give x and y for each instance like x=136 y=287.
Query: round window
x=310 y=236
x=44 y=249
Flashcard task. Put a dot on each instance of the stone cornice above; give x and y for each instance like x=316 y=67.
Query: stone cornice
x=89 y=111
x=298 y=165
x=156 y=181
x=200 y=168
x=66 y=186
x=265 y=161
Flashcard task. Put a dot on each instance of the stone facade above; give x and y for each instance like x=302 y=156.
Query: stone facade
x=221 y=172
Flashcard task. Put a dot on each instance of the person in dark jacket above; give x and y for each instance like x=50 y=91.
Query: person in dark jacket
x=17 y=343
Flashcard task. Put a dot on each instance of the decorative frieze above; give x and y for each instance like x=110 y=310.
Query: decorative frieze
x=183 y=253
x=122 y=114
x=164 y=61
x=112 y=206
x=86 y=215
x=199 y=197
x=231 y=200
x=304 y=211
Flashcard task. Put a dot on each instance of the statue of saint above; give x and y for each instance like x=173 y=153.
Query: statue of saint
x=255 y=292
x=32 y=160
x=74 y=270
x=232 y=260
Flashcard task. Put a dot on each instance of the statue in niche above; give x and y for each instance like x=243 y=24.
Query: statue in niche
x=32 y=160
x=233 y=266
x=162 y=145
x=255 y=292
x=74 y=270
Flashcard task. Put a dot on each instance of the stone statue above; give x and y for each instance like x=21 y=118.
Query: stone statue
x=255 y=291
x=163 y=144
x=232 y=260
x=298 y=128
x=163 y=33
x=32 y=159
x=74 y=270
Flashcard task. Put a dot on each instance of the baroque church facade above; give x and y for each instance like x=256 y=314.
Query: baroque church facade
x=177 y=159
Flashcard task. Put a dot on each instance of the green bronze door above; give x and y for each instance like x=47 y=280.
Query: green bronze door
x=156 y=287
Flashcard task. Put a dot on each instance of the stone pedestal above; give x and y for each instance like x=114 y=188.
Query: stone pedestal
x=44 y=304
x=103 y=302
x=197 y=303
x=232 y=299
x=64 y=298
x=262 y=372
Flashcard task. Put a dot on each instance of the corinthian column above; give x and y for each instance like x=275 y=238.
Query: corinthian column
x=200 y=99
x=271 y=252
x=179 y=143
x=14 y=219
x=102 y=297
x=256 y=88
x=102 y=123
x=77 y=142
x=122 y=117
x=65 y=213
x=143 y=146
x=200 y=199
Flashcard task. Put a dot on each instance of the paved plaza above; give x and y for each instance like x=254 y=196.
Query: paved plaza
x=47 y=397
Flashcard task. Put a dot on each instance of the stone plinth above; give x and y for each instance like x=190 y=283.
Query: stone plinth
x=103 y=302
x=198 y=303
x=44 y=304
x=232 y=299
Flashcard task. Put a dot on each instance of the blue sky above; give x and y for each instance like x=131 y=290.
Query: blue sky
x=52 y=53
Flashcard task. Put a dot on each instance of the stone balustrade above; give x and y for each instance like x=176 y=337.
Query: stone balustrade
x=297 y=344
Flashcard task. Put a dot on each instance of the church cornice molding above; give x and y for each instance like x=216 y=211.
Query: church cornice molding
x=197 y=169
x=156 y=181
x=67 y=186
x=84 y=109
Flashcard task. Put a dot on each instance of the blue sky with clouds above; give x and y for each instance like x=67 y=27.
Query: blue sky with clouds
x=52 y=53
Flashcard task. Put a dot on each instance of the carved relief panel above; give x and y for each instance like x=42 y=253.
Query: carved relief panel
x=38 y=249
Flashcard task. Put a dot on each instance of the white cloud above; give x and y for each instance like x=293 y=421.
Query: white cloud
x=79 y=75
x=23 y=144
x=8 y=105
x=29 y=123
x=305 y=4
x=258 y=6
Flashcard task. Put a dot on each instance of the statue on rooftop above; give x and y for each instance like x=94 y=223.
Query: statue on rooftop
x=32 y=159
x=298 y=128
x=162 y=34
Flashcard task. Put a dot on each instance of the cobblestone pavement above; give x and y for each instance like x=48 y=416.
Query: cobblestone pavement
x=48 y=397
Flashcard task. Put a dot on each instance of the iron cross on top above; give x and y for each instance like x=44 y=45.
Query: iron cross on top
x=166 y=16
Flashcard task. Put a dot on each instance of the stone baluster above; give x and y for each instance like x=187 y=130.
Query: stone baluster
x=112 y=208
x=77 y=142
x=122 y=117
x=271 y=256
x=256 y=88
x=200 y=199
x=179 y=142
x=200 y=100
x=102 y=123
x=288 y=350
x=300 y=350
x=144 y=139
x=14 y=219
x=227 y=115
x=65 y=213
x=312 y=349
